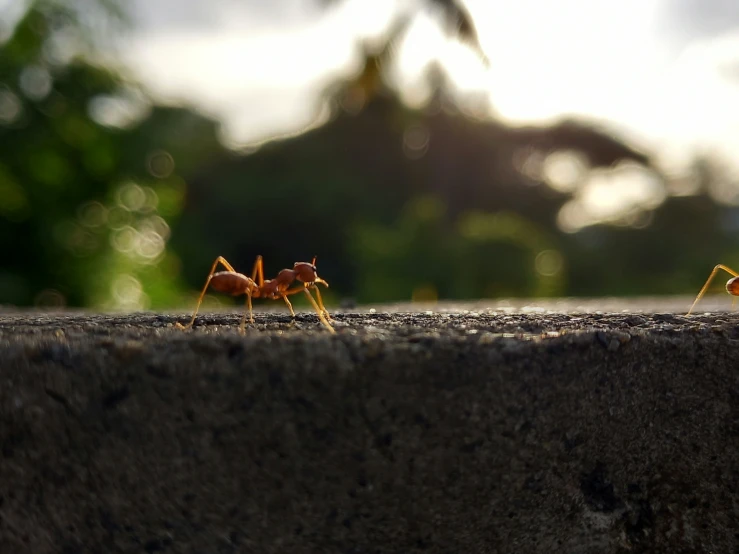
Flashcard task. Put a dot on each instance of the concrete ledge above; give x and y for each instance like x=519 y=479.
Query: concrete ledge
x=402 y=433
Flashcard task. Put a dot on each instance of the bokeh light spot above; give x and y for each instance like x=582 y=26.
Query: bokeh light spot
x=160 y=164
x=529 y=162
x=61 y=47
x=416 y=139
x=127 y=292
x=35 y=82
x=563 y=170
x=49 y=298
x=149 y=245
x=120 y=111
x=157 y=225
x=639 y=219
x=151 y=200
x=548 y=263
x=131 y=197
x=572 y=217
x=10 y=106
x=92 y=214
x=118 y=218
x=124 y=239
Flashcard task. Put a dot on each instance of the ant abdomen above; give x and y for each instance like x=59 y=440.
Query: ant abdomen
x=230 y=282
x=732 y=286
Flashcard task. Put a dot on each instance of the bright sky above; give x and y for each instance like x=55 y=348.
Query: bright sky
x=663 y=72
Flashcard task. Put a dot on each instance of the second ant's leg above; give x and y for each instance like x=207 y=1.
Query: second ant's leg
x=708 y=282
x=222 y=261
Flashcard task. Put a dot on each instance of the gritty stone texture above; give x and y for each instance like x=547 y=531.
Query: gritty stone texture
x=453 y=432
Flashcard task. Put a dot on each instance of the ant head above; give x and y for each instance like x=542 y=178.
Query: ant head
x=307 y=273
x=311 y=264
x=732 y=286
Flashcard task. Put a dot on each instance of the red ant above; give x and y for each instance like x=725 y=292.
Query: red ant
x=732 y=285
x=236 y=284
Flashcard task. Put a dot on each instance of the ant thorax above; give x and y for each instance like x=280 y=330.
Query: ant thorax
x=285 y=276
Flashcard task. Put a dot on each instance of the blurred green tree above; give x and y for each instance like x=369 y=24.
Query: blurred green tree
x=88 y=179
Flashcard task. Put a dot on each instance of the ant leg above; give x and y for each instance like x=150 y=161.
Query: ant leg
x=708 y=282
x=313 y=302
x=318 y=294
x=258 y=271
x=318 y=311
x=224 y=263
x=289 y=305
x=320 y=300
x=242 y=327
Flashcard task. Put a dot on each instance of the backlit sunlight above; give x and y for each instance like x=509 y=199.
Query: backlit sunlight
x=628 y=69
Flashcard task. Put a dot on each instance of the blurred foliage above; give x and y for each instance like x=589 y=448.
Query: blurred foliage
x=463 y=261
x=85 y=206
x=454 y=17
x=110 y=201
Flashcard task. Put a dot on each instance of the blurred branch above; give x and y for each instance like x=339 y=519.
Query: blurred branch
x=459 y=19
x=84 y=24
x=455 y=17
x=600 y=148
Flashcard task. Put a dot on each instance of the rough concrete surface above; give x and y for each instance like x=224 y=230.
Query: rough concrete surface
x=462 y=429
